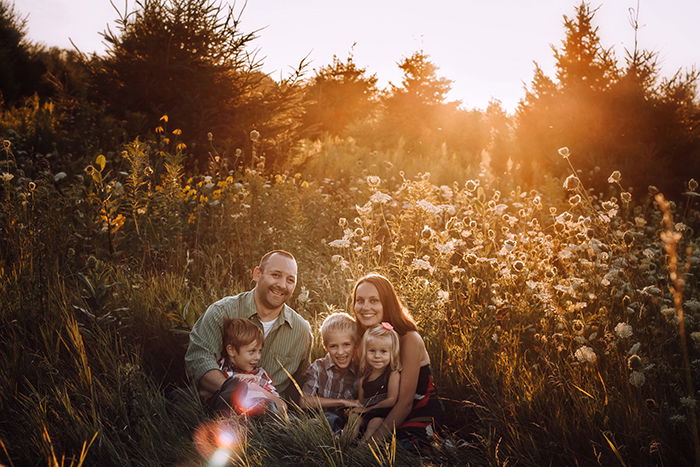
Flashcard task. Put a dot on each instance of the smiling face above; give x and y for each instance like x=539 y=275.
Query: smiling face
x=247 y=356
x=275 y=281
x=368 y=305
x=340 y=345
x=378 y=353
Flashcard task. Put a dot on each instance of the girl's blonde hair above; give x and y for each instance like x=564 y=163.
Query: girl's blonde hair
x=380 y=331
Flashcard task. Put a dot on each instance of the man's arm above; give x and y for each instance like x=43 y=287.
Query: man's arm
x=206 y=342
x=300 y=375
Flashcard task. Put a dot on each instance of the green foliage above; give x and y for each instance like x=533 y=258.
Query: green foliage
x=21 y=71
x=613 y=117
x=531 y=308
x=189 y=59
x=338 y=95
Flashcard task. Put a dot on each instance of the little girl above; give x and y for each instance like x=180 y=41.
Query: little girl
x=379 y=370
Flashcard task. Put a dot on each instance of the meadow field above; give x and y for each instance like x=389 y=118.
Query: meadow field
x=548 y=250
x=563 y=325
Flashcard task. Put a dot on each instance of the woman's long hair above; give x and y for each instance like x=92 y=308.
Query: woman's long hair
x=395 y=313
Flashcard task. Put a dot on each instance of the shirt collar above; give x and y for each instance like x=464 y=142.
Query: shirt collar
x=331 y=365
x=285 y=314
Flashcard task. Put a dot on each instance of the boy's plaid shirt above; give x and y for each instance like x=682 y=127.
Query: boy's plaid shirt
x=325 y=379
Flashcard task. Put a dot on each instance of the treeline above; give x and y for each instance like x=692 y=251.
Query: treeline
x=192 y=61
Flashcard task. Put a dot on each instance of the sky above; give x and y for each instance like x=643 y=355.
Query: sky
x=486 y=47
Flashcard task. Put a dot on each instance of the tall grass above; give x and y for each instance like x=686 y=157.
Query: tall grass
x=549 y=314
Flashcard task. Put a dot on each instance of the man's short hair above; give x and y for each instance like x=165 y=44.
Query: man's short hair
x=339 y=321
x=266 y=257
x=241 y=331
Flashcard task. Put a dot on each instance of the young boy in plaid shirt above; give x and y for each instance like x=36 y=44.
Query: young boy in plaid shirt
x=331 y=381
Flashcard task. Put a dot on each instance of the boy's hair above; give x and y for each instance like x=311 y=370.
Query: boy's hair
x=241 y=331
x=379 y=331
x=338 y=321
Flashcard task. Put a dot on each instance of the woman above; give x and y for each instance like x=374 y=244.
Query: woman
x=417 y=408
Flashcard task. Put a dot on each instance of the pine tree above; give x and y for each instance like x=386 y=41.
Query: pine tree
x=340 y=94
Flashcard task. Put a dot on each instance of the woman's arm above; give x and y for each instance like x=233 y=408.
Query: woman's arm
x=392 y=392
x=412 y=356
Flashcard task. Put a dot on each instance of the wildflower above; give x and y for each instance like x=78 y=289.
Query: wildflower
x=652 y=190
x=634 y=363
x=564 y=152
x=59 y=176
x=623 y=330
x=615 y=177
x=373 y=180
x=427 y=232
x=428 y=207
x=32 y=186
x=340 y=243
x=471 y=185
x=574 y=200
x=365 y=209
x=336 y=258
x=692 y=184
x=148 y=171
x=164 y=118
x=634 y=349
x=688 y=402
x=177 y=131
x=254 y=135
x=637 y=379
x=695 y=336
x=210 y=136
x=342 y=222
x=572 y=182
x=585 y=354
x=518 y=266
x=6 y=144
x=380 y=198
x=626 y=196
x=578 y=326
x=471 y=259
x=303 y=295
x=422 y=264
x=443 y=296
x=6 y=177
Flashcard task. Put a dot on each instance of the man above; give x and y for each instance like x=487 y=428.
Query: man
x=287 y=335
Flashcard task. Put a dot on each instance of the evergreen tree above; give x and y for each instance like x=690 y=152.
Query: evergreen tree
x=340 y=94
x=21 y=71
x=189 y=59
x=610 y=117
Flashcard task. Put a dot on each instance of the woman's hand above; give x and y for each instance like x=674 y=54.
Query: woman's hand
x=351 y=403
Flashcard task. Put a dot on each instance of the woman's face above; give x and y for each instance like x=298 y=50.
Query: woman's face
x=368 y=306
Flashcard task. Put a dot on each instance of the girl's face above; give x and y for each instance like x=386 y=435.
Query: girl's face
x=368 y=306
x=379 y=352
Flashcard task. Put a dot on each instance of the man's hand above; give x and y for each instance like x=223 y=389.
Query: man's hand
x=210 y=383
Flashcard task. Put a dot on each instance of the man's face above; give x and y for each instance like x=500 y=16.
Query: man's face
x=276 y=281
x=340 y=346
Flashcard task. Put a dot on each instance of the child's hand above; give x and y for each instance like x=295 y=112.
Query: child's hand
x=246 y=378
x=358 y=410
x=352 y=403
